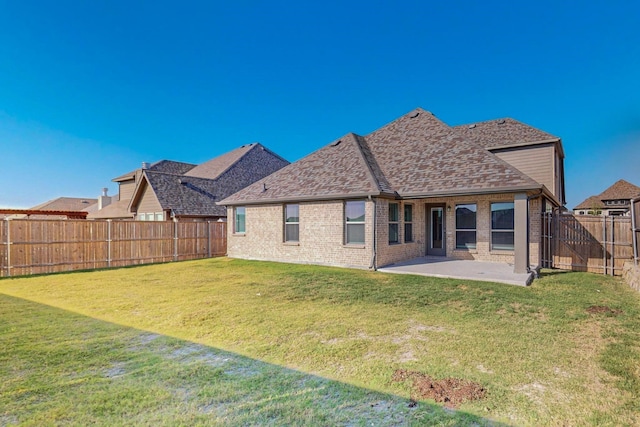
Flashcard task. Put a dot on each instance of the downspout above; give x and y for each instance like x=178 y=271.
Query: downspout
x=372 y=265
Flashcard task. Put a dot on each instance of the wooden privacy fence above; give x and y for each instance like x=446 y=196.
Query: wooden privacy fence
x=48 y=246
x=598 y=244
x=635 y=226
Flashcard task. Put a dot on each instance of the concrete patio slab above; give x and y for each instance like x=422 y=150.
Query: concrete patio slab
x=460 y=269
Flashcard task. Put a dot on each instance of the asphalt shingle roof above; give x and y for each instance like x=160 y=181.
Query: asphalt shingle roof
x=620 y=190
x=214 y=167
x=592 y=202
x=117 y=209
x=415 y=155
x=66 y=204
x=166 y=166
x=186 y=195
x=502 y=133
x=191 y=195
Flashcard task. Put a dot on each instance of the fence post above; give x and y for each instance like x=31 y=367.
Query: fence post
x=175 y=239
x=604 y=245
x=8 y=247
x=613 y=246
x=109 y=243
x=634 y=230
x=209 y=239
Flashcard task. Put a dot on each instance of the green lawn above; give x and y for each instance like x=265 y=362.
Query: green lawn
x=230 y=342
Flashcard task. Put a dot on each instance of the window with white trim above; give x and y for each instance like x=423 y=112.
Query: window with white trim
x=502 y=220
x=354 y=214
x=291 y=223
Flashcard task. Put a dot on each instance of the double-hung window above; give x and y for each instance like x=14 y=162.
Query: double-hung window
x=394 y=214
x=354 y=222
x=466 y=226
x=292 y=223
x=502 y=215
x=408 y=223
x=239 y=221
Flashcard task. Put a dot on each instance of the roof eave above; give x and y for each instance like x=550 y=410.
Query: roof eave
x=524 y=144
x=292 y=199
x=470 y=191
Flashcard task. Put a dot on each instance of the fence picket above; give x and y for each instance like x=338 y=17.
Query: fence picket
x=587 y=243
x=29 y=246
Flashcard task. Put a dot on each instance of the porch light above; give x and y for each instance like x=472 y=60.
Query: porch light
x=448 y=208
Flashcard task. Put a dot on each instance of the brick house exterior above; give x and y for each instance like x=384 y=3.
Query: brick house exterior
x=414 y=187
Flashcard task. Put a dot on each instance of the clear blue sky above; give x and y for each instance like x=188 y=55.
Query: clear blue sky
x=89 y=89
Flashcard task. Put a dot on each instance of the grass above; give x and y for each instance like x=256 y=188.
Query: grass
x=231 y=342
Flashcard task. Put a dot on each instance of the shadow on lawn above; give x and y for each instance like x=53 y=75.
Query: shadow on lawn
x=114 y=374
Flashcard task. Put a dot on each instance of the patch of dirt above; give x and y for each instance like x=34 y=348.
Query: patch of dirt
x=450 y=391
x=603 y=309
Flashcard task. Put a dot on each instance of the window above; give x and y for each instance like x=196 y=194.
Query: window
x=502 y=226
x=393 y=223
x=354 y=222
x=147 y=217
x=408 y=223
x=292 y=223
x=159 y=216
x=239 y=224
x=466 y=226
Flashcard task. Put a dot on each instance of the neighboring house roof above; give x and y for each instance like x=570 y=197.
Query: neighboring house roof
x=416 y=155
x=213 y=168
x=66 y=204
x=167 y=166
x=502 y=133
x=621 y=190
x=116 y=210
x=185 y=196
x=592 y=202
x=58 y=208
x=189 y=194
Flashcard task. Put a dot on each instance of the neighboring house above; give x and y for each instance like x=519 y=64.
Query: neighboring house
x=173 y=190
x=414 y=187
x=59 y=208
x=614 y=201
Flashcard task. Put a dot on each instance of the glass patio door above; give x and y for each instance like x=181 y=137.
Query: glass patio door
x=436 y=243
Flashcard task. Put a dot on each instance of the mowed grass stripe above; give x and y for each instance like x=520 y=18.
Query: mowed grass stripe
x=543 y=358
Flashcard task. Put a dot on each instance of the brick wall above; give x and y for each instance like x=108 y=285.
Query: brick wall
x=322 y=233
x=321 y=236
x=390 y=253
